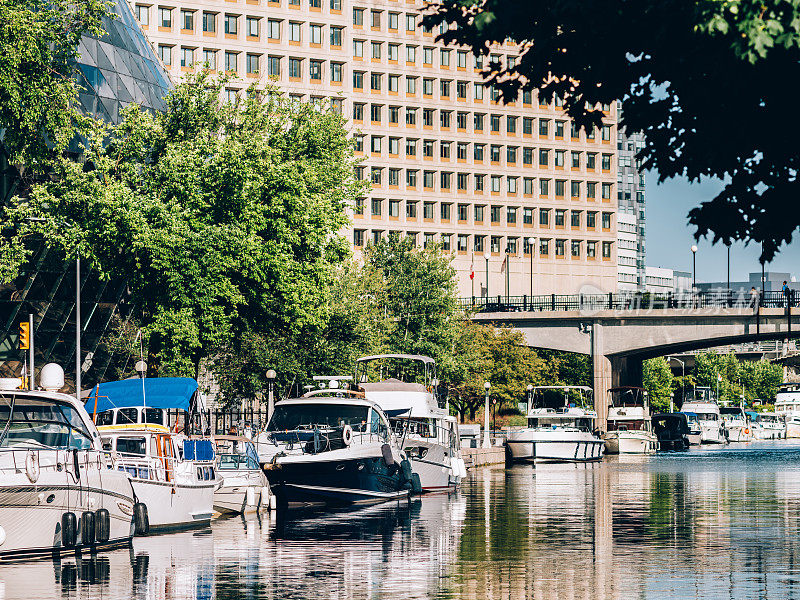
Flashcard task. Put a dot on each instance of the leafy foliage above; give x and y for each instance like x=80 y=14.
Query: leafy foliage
x=688 y=74
x=740 y=379
x=658 y=381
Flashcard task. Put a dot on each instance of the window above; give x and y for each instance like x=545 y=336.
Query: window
x=511 y=154
x=478 y=212
x=336 y=4
x=575 y=189
x=358 y=144
x=427 y=117
x=478 y=89
x=315 y=70
x=375 y=81
x=527 y=125
x=606 y=132
x=591 y=189
x=411 y=85
x=496 y=183
x=575 y=218
x=444 y=57
x=463 y=241
x=461 y=120
x=544 y=187
x=606 y=249
x=591 y=220
x=444 y=88
x=606 y=191
x=427 y=210
x=560 y=247
x=560 y=187
x=165 y=17
x=461 y=150
x=231 y=59
x=527 y=216
x=315 y=33
x=295 y=31
x=253 y=64
x=375 y=113
x=358 y=111
x=231 y=24
x=187 y=57
x=511 y=215
x=411 y=54
x=495 y=244
x=376 y=49
x=411 y=116
x=575 y=248
x=478 y=151
x=427 y=87
x=591 y=249
x=494 y=153
x=252 y=26
x=527 y=186
x=411 y=22
x=376 y=206
x=576 y=160
x=273 y=29
x=478 y=182
x=606 y=164
x=461 y=59
x=143 y=14
x=444 y=149
x=358 y=237
x=393 y=52
x=358 y=17
x=187 y=19
x=544 y=127
x=544 y=157
x=358 y=48
x=210 y=59
x=511 y=245
x=591 y=161
x=560 y=217
x=606 y=220
x=376 y=175
x=544 y=217
x=526 y=97
x=315 y=3
x=427 y=179
x=295 y=67
x=559 y=129
x=494 y=121
x=527 y=156
x=377 y=234
x=394 y=20
x=444 y=211
x=411 y=147
x=544 y=247
x=560 y=157
x=411 y=178
x=444 y=118
x=394 y=114
x=427 y=148
x=478 y=243
x=427 y=56
x=336 y=36
x=394 y=83
x=394 y=208
x=462 y=180
x=394 y=145
x=511 y=124
x=511 y=185
x=375 y=18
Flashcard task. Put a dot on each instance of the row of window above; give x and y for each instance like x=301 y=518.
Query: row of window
x=482 y=243
x=447 y=181
x=558 y=217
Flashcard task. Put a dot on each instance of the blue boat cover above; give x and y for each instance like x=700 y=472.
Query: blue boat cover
x=156 y=392
x=198 y=450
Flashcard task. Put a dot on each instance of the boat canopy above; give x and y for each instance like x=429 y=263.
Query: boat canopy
x=156 y=392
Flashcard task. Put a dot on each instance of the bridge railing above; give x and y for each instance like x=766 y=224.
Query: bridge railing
x=630 y=301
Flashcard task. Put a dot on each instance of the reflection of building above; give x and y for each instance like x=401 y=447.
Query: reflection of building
x=447 y=163
x=115 y=70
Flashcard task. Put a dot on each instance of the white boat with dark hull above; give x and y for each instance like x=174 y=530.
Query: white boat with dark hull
x=706 y=409
x=630 y=429
x=173 y=475
x=560 y=428
x=244 y=486
x=787 y=404
x=59 y=492
x=332 y=447
x=403 y=386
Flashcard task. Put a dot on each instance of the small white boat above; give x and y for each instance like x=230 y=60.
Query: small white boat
x=787 y=404
x=59 y=492
x=771 y=426
x=734 y=420
x=561 y=422
x=244 y=486
x=173 y=475
x=630 y=429
x=703 y=405
x=403 y=386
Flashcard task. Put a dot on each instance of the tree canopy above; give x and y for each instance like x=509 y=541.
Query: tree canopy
x=704 y=80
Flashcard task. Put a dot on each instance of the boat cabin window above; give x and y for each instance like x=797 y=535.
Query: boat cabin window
x=632 y=425
x=236 y=461
x=43 y=422
x=132 y=445
x=105 y=418
x=127 y=416
x=318 y=416
x=377 y=424
x=154 y=415
x=707 y=417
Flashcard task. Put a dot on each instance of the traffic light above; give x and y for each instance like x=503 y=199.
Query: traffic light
x=24 y=336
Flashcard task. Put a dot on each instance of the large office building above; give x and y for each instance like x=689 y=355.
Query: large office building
x=513 y=191
x=631 y=203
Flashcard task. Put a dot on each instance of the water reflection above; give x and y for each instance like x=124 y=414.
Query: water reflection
x=717 y=523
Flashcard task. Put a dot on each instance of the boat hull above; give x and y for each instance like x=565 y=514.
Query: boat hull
x=176 y=506
x=554 y=446
x=357 y=480
x=793 y=430
x=240 y=493
x=711 y=433
x=738 y=433
x=630 y=442
x=434 y=465
x=31 y=509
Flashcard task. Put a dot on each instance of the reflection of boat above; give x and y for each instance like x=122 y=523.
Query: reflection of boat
x=672 y=431
x=560 y=424
x=243 y=487
x=735 y=422
x=771 y=426
x=332 y=446
x=174 y=476
x=787 y=404
x=429 y=434
x=629 y=426
x=58 y=490
x=712 y=430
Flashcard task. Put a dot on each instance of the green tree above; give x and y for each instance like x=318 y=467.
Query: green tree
x=685 y=70
x=657 y=380
x=222 y=217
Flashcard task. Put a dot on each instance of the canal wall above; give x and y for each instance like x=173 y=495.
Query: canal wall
x=478 y=457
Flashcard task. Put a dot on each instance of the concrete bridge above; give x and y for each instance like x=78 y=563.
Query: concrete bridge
x=619 y=338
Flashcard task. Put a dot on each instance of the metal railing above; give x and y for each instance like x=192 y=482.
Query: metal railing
x=630 y=301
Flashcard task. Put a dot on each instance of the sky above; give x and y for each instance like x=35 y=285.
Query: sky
x=669 y=236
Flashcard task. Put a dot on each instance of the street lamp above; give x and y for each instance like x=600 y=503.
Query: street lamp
x=271 y=375
x=141 y=368
x=508 y=269
x=530 y=398
x=694 y=267
x=486 y=386
x=683 y=375
x=486 y=256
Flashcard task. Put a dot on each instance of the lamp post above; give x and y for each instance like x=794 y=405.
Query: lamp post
x=508 y=269
x=141 y=368
x=486 y=386
x=729 y=267
x=683 y=375
x=271 y=374
x=694 y=267
x=486 y=256
x=530 y=399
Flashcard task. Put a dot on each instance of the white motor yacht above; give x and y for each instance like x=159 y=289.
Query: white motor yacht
x=403 y=386
x=332 y=447
x=787 y=404
x=630 y=429
x=771 y=426
x=59 y=492
x=175 y=476
x=561 y=422
x=737 y=429
x=244 y=486
x=703 y=405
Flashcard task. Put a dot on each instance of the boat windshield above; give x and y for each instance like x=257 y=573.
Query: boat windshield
x=318 y=416
x=44 y=422
x=707 y=417
x=558 y=398
x=229 y=462
x=627 y=397
x=730 y=411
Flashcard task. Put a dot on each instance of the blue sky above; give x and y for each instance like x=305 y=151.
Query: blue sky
x=669 y=236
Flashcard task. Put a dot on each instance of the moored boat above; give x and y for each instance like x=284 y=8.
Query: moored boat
x=735 y=422
x=560 y=427
x=403 y=386
x=787 y=404
x=771 y=426
x=244 y=486
x=629 y=426
x=672 y=431
x=173 y=475
x=702 y=404
x=695 y=434
x=59 y=492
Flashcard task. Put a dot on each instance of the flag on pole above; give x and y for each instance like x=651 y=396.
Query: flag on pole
x=472 y=270
x=503 y=266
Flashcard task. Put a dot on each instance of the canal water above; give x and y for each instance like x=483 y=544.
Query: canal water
x=710 y=523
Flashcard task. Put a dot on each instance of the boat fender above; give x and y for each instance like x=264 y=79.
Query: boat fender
x=141 y=520
x=250 y=496
x=388 y=457
x=416 y=484
x=347 y=435
x=87 y=528
x=32 y=466
x=69 y=530
x=273 y=502
x=406 y=474
x=102 y=524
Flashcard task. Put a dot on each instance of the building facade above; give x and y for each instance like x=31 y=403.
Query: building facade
x=631 y=202
x=513 y=190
